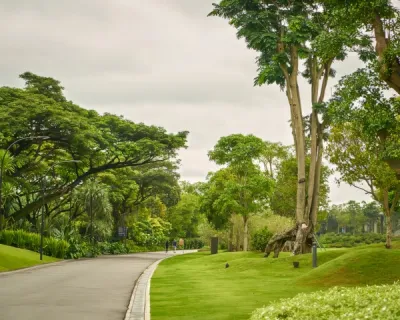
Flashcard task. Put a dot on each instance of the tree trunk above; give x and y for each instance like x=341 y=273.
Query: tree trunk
x=230 y=240
x=245 y=233
x=389 y=70
x=388 y=244
x=238 y=239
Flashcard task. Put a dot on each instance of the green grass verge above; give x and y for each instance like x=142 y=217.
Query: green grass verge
x=198 y=286
x=13 y=258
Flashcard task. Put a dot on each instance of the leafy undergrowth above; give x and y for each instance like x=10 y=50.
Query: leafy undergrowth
x=198 y=286
x=13 y=258
x=372 y=302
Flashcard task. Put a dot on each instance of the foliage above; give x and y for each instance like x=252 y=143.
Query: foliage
x=77 y=249
x=241 y=188
x=283 y=198
x=148 y=232
x=112 y=248
x=31 y=241
x=374 y=302
x=100 y=142
x=260 y=239
x=185 y=216
x=364 y=133
x=194 y=243
x=361 y=98
x=381 y=17
x=346 y=240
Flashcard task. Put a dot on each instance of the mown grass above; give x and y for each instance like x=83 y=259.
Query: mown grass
x=198 y=286
x=13 y=258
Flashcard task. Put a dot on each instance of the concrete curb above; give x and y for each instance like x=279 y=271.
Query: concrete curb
x=139 y=304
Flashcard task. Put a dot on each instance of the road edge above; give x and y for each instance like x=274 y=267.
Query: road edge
x=145 y=277
x=38 y=266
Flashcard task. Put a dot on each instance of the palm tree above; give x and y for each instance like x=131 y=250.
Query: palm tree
x=94 y=197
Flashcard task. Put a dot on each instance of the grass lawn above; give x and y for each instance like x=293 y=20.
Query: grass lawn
x=13 y=258
x=198 y=286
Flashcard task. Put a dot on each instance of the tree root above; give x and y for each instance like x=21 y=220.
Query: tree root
x=277 y=242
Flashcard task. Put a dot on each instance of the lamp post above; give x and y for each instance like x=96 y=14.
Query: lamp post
x=2 y=170
x=43 y=203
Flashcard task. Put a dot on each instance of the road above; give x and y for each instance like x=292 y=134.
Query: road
x=98 y=289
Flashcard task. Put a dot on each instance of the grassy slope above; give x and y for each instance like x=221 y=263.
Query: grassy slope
x=198 y=286
x=13 y=258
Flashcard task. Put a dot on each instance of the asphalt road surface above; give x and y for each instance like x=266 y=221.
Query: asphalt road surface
x=98 y=289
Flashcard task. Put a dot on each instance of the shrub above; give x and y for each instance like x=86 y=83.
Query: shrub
x=260 y=239
x=31 y=241
x=77 y=249
x=7 y=237
x=375 y=302
x=346 y=240
x=194 y=243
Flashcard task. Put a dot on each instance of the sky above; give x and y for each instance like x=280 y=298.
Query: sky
x=161 y=62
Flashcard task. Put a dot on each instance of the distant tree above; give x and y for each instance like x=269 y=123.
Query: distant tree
x=241 y=188
x=364 y=132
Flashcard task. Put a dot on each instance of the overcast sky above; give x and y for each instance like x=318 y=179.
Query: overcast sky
x=161 y=62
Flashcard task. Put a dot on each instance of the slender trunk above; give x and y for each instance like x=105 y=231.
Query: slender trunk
x=238 y=238
x=317 y=181
x=270 y=169
x=388 y=212
x=388 y=231
x=230 y=240
x=245 y=233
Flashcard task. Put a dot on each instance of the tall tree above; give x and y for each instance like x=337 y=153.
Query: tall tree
x=286 y=32
x=381 y=17
x=365 y=132
x=100 y=142
x=241 y=188
x=283 y=198
x=273 y=155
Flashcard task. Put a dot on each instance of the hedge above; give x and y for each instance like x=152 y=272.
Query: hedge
x=31 y=241
x=374 y=302
x=347 y=240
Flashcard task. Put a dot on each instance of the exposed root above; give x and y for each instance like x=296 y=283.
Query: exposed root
x=302 y=239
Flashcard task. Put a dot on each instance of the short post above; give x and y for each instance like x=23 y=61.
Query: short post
x=314 y=254
x=214 y=245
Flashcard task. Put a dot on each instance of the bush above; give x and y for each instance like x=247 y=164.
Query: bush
x=375 y=302
x=7 y=237
x=31 y=241
x=77 y=249
x=347 y=240
x=112 y=248
x=194 y=243
x=260 y=239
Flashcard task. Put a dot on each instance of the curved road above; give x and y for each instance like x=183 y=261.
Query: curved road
x=96 y=289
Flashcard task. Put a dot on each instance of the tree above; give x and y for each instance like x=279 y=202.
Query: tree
x=383 y=19
x=371 y=212
x=272 y=156
x=94 y=198
x=284 y=33
x=283 y=198
x=185 y=216
x=241 y=188
x=364 y=132
x=101 y=142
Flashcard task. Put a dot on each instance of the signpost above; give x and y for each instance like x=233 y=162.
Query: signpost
x=122 y=232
